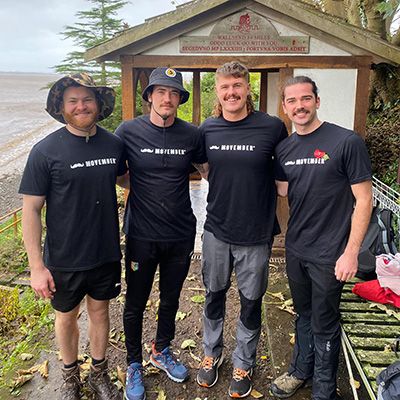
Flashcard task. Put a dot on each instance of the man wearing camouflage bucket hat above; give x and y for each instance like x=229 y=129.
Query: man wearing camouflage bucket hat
x=74 y=171
x=159 y=221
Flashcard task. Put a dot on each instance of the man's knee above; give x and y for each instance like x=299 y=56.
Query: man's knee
x=97 y=310
x=215 y=304
x=250 y=312
x=67 y=318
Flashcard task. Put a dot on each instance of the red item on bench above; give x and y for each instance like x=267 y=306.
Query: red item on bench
x=372 y=290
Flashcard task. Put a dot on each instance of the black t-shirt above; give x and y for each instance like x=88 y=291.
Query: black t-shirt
x=242 y=195
x=320 y=168
x=78 y=180
x=160 y=159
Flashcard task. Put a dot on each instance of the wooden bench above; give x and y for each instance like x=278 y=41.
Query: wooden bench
x=369 y=331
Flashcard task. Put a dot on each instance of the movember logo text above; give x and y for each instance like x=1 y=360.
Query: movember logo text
x=174 y=152
x=233 y=147
x=94 y=163
x=306 y=161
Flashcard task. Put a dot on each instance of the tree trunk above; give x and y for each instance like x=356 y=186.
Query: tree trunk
x=353 y=12
x=335 y=7
x=375 y=22
x=396 y=38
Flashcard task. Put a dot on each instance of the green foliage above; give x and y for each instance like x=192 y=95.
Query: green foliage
x=208 y=97
x=383 y=142
x=112 y=122
x=185 y=110
x=94 y=26
x=9 y=304
x=388 y=8
x=13 y=256
x=25 y=332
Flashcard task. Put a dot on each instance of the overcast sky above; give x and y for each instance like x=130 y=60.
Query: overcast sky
x=29 y=29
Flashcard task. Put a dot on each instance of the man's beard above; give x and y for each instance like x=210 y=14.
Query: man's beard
x=83 y=124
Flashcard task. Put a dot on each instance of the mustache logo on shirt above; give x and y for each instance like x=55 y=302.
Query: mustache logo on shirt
x=214 y=147
x=146 y=150
x=77 y=165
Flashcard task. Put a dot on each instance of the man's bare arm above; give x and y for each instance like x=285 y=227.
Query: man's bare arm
x=347 y=264
x=282 y=188
x=203 y=169
x=41 y=279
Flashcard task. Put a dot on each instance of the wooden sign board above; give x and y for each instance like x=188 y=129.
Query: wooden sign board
x=244 y=32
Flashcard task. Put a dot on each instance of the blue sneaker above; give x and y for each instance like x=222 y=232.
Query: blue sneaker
x=134 y=389
x=167 y=363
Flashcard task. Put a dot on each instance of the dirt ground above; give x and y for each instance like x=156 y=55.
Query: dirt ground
x=273 y=351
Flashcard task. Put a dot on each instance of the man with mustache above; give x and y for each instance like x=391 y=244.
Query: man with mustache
x=240 y=224
x=326 y=172
x=74 y=171
x=159 y=221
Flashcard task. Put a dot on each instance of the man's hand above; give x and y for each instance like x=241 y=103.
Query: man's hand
x=42 y=282
x=346 y=267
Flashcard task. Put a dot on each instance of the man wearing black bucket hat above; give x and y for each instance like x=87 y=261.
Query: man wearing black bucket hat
x=159 y=220
x=74 y=171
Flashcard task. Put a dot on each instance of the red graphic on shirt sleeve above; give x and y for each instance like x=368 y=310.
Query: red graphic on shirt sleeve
x=321 y=154
x=318 y=153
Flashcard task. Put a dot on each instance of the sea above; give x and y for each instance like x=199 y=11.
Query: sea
x=23 y=122
x=23 y=119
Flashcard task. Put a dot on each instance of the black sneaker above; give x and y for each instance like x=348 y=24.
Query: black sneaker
x=208 y=372
x=241 y=383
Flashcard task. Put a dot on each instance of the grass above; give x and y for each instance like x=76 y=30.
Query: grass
x=24 y=326
x=25 y=321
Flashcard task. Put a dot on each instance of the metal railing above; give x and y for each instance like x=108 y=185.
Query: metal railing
x=386 y=197
x=14 y=218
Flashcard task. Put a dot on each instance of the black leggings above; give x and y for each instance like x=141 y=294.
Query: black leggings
x=142 y=259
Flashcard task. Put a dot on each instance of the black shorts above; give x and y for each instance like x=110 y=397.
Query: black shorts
x=100 y=283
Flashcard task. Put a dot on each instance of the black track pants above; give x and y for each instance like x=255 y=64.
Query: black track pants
x=142 y=259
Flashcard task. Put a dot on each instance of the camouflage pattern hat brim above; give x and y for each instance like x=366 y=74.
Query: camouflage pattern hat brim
x=105 y=95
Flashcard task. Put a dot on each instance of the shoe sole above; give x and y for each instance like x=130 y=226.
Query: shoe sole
x=159 y=366
x=219 y=363
x=126 y=397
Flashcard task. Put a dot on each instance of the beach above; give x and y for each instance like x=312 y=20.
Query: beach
x=23 y=122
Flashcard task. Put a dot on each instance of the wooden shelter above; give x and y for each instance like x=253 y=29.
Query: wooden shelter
x=276 y=38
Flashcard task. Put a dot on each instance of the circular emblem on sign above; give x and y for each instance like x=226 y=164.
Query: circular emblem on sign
x=170 y=72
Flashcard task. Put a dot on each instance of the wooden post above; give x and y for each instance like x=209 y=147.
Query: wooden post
x=144 y=81
x=15 y=219
x=362 y=100
x=282 y=208
x=128 y=88
x=284 y=74
x=263 y=91
x=196 y=110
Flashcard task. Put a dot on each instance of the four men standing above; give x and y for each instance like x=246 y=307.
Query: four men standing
x=323 y=168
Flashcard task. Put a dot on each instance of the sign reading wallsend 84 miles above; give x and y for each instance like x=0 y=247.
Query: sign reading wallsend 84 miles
x=244 y=32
